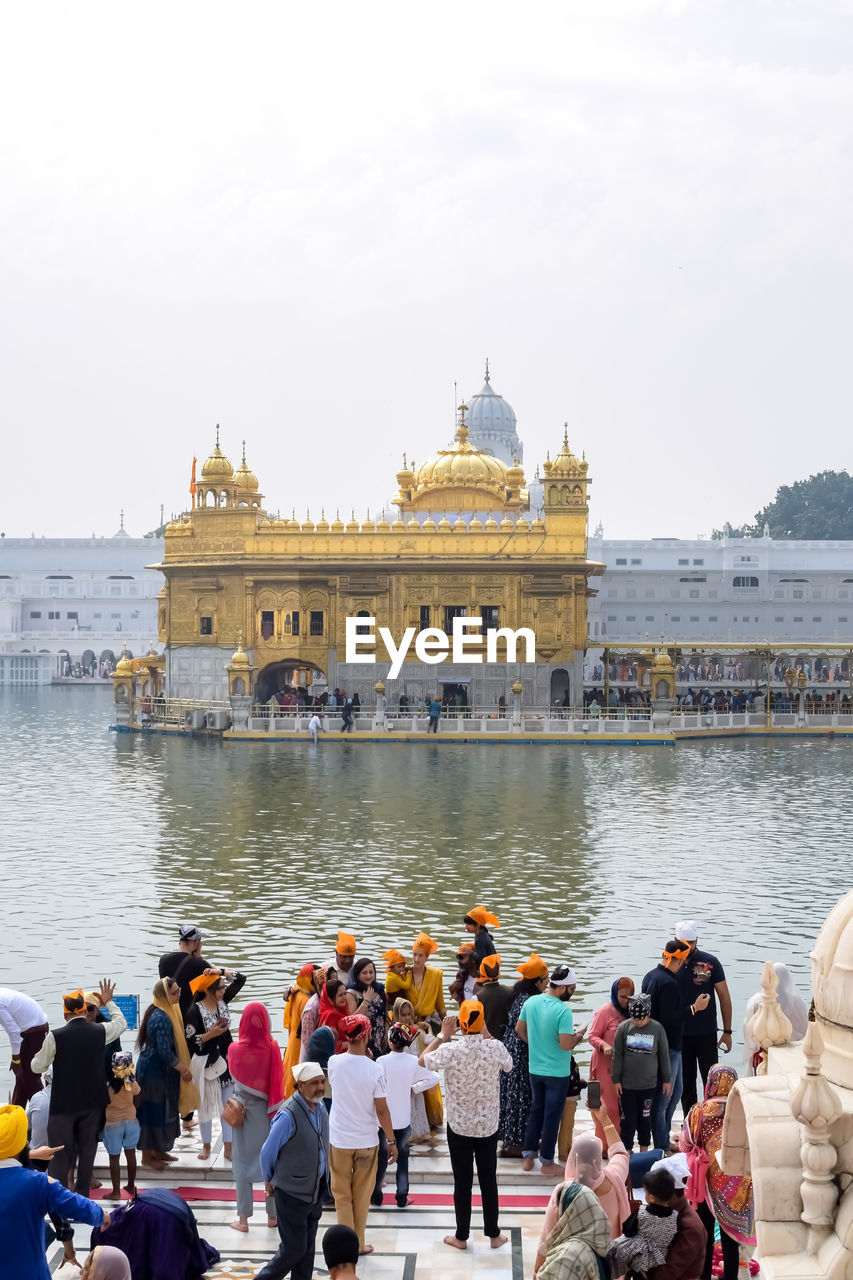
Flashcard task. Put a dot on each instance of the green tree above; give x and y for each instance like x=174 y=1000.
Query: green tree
x=817 y=508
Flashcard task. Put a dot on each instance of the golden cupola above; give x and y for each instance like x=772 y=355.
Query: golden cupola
x=461 y=479
x=566 y=478
x=246 y=485
x=217 y=467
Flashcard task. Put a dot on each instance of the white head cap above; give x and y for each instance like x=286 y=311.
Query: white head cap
x=686 y=930
x=307 y=1071
x=677 y=1166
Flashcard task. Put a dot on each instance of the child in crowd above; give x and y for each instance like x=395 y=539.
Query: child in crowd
x=403 y=1077
x=639 y=1067
x=648 y=1233
x=121 y=1130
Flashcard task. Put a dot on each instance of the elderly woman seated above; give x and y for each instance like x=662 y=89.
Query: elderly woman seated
x=576 y=1246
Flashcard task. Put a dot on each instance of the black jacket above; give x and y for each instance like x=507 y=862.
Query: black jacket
x=669 y=1007
x=217 y=1046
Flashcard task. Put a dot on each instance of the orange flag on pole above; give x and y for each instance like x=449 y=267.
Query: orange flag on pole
x=193 y=484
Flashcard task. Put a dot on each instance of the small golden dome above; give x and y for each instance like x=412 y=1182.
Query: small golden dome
x=398 y=526
x=217 y=466
x=240 y=658
x=322 y=523
x=476 y=525
x=245 y=478
x=337 y=523
x=522 y=525
x=538 y=525
x=662 y=659
x=491 y=525
x=413 y=526
x=428 y=525
x=382 y=526
x=444 y=525
x=518 y=688
x=459 y=525
x=379 y=688
x=506 y=525
x=124 y=666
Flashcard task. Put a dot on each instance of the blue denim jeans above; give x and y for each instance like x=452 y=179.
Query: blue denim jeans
x=548 y=1097
x=665 y=1104
x=401 y=1168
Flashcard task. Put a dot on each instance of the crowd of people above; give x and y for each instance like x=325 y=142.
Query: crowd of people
x=330 y=1121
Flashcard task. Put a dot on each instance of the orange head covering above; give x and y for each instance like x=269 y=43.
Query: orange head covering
x=423 y=942
x=483 y=917
x=535 y=967
x=490 y=969
x=345 y=945
x=675 y=950
x=472 y=1016
x=204 y=981
x=74 y=1001
x=393 y=957
x=464 y=948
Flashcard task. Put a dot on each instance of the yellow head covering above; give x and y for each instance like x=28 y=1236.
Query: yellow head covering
x=483 y=917
x=423 y=942
x=74 y=1002
x=13 y=1131
x=188 y=1099
x=393 y=957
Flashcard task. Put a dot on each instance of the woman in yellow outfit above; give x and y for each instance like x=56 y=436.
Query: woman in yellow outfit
x=427 y=998
x=294 y=1008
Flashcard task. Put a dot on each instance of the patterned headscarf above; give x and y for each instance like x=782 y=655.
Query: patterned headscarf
x=401 y=1035
x=123 y=1069
x=640 y=1005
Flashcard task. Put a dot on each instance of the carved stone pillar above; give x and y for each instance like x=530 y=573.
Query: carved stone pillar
x=769 y=1024
x=816 y=1106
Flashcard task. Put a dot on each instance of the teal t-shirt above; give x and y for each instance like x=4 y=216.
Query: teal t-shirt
x=547 y=1018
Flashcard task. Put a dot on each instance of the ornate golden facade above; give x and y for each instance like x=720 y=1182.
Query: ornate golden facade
x=463 y=542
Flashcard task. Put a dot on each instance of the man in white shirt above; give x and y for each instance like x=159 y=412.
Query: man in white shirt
x=402 y=1075
x=25 y=1023
x=79 y=1092
x=472 y=1069
x=315 y=725
x=359 y=1107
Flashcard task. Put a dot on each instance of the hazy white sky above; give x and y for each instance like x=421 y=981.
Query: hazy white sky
x=306 y=222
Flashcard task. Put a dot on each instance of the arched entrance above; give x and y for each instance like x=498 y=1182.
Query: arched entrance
x=559 y=686
x=280 y=677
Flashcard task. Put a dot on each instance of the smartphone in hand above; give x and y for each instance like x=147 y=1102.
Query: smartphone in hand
x=593 y=1095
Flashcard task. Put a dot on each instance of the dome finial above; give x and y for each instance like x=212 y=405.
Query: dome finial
x=244 y=453
x=217 y=435
x=565 y=435
x=487 y=368
x=462 y=428
x=121 y=518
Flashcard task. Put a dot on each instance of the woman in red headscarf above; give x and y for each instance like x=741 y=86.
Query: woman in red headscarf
x=297 y=998
x=333 y=1009
x=256 y=1068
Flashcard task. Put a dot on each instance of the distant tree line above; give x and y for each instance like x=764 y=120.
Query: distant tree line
x=820 y=507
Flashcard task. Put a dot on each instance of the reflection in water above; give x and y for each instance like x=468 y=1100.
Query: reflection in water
x=587 y=854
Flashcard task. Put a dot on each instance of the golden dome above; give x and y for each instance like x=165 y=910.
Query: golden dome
x=124 y=666
x=662 y=659
x=240 y=658
x=245 y=478
x=462 y=466
x=217 y=466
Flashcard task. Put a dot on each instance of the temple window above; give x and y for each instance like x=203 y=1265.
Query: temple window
x=268 y=624
x=206 y=625
x=316 y=624
x=490 y=616
x=424 y=617
x=452 y=611
x=295 y=623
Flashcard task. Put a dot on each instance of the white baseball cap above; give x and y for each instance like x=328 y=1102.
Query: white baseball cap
x=686 y=930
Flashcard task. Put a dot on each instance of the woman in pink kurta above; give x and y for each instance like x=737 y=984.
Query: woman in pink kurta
x=602 y=1033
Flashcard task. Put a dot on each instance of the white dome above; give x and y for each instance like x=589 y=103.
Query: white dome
x=832 y=986
x=492 y=424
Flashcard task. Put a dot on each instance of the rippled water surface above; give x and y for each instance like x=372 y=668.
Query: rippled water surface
x=587 y=853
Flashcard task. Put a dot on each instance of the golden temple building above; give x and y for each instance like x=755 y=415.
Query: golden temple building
x=463 y=542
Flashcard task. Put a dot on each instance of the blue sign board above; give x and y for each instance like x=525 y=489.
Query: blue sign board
x=129 y=1006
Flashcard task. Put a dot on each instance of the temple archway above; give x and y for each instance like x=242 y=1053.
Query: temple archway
x=278 y=676
x=559 y=685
